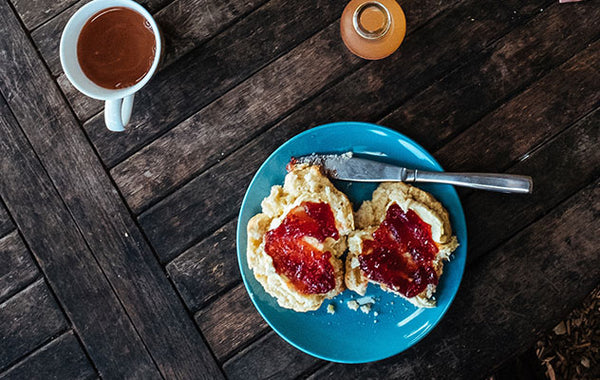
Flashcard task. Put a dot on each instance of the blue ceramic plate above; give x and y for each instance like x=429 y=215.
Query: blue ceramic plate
x=351 y=336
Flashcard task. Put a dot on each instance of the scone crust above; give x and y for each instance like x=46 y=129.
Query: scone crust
x=303 y=184
x=371 y=214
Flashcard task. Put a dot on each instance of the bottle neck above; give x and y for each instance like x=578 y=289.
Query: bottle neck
x=371 y=20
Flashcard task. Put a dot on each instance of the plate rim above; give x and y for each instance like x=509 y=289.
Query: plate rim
x=451 y=188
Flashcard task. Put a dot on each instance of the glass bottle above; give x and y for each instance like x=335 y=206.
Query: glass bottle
x=373 y=29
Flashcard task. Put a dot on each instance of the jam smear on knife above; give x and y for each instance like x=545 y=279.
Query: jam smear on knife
x=401 y=254
x=306 y=267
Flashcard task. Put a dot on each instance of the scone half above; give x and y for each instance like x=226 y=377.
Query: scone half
x=402 y=239
x=295 y=244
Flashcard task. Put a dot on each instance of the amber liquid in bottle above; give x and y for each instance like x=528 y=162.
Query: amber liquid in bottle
x=373 y=29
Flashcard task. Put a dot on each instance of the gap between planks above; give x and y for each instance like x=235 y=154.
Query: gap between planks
x=154 y=198
x=186 y=246
x=47 y=150
x=40 y=274
x=235 y=147
x=65 y=347
x=101 y=138
x=552 y=204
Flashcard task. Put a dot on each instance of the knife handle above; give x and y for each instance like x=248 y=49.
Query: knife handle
x=504 y=183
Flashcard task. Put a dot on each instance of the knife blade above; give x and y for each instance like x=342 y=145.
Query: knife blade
x=347 y=167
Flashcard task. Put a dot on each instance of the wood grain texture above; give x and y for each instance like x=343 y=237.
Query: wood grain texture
x=171 y=224
x=506 y=300
x=234 y=119
x=216 y=130
x=62 y=358
x=35 y=12
x=47 y=36
x=551 y=104
x=17 y=267
x=458 y=100
x=67 y=263
x=527 y=218
x=27 y=320
x=119 y=247
x=208 y=72
x=47 y=40
x=183 y=33
x=231 y=322
x=83 y=106
x=441 y=45
x=559 y=168
x=578 y=143
x=269 y=358
x=577 y=167
x=184 y=24
x=203 y=131
x=207 y=268
x=6 y=224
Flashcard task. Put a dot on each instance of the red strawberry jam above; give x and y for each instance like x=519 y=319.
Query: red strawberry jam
x=307 y=268
x=401 y=254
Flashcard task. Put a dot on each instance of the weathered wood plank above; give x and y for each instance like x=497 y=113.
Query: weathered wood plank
x=17 y=268
x=230 y=322
x=155 y=5
x=506 y=300
x=141 y=185
x=576 y=167
x=269 y=358
x=211 y=70
x=35 y=12
x=559 y=168
x=62 y=358
x=232 y=120
x=551 y=104
x=83 y=106
x=456 y=101
x=184 y=24
x=190 y=32
x=27 y=320
x=69 y=266
x=214 y=196
x=456 y=35
x=105 y=222
x=6 y=224
x=207 y=268
x=172 y=224
x=47 y=36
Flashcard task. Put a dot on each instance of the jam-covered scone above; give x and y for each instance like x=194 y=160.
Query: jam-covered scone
x=295 y=244
x=403 y=237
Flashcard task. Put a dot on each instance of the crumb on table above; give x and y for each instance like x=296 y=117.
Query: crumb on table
x=352 y=305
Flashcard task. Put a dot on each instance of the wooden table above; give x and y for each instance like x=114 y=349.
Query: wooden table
x=117 y=251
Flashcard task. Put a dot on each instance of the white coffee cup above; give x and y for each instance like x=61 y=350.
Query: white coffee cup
x=119 y=102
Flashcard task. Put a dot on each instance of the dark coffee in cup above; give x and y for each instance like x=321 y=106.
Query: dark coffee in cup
x=116 y=48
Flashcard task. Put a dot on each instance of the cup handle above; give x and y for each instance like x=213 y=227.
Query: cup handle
x=117 y=113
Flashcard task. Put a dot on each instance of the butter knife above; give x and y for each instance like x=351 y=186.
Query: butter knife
x=347 y=167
